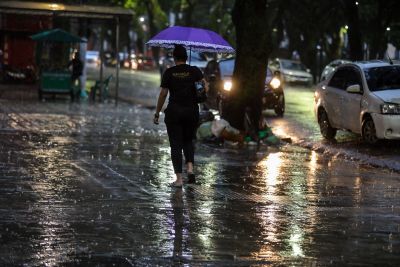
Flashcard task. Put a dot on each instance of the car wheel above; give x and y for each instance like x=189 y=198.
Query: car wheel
x=280 y=107
x=369 y=131
x=327 y=131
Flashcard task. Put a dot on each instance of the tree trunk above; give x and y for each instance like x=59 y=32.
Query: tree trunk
x=252 y=20
x=355 y=42
x=380 y=23
x=189 y=12
x=152 y=29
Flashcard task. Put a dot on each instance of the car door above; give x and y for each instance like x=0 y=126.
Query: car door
x=332 y=97
x=351 y=102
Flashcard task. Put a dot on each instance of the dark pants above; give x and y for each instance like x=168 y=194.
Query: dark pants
x=76 y=87
x=181 y=125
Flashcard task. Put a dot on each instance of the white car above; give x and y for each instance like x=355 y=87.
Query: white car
x=92 y=59
x=331 y=68
x=293 y=72
x=362 y=97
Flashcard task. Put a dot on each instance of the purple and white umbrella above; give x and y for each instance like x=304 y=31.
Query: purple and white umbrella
x=195 y=39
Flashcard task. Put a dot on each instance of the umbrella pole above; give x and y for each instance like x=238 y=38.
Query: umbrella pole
x=190 y=55
x=117 y=66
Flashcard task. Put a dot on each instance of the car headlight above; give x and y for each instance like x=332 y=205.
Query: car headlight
x=227 y=85
x=275 y=83
x=389 y=108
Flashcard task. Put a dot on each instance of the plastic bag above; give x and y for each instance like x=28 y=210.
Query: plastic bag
x=218 y=126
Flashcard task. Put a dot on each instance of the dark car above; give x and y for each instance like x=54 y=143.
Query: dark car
x=219 y=76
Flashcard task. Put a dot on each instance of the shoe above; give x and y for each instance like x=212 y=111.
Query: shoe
x=191 y=178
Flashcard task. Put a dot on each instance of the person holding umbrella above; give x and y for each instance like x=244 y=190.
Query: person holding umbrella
x=182 y=112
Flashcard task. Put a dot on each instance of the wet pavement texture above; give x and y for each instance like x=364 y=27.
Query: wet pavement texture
x=87 y=185
x=136 y=87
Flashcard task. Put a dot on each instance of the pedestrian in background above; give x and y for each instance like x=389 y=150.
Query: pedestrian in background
x=182 y=112
x=77 y=70
x=1 y=65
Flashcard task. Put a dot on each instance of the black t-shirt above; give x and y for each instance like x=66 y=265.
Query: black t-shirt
x=180 y=82
x=77 y=67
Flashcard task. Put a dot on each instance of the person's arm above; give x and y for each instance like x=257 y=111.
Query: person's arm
x=160 y=103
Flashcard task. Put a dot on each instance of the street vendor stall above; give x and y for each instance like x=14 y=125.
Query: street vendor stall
x=53 y=52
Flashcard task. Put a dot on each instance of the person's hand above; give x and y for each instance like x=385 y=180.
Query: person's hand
x=156 y=117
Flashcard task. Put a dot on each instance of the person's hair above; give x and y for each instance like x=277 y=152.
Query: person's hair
x=179 y=53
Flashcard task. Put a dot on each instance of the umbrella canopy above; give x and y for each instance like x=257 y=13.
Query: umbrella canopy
x=57 y=35
x=194 y=38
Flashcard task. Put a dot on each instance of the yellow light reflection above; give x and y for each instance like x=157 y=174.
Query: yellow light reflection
x=311 y=177
x=55 y=6
x=272 y=166
x=270 y=170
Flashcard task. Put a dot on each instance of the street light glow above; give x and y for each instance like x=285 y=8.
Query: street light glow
x=346 y=27
x=141 y=19
x=388 y=29
x=54 y=6
x=356 y=3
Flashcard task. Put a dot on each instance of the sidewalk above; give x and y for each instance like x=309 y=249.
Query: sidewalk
x=18 y=92
x=87 y=185
x=141 y=88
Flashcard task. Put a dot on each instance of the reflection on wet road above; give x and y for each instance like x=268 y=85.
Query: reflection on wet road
x=88 y=185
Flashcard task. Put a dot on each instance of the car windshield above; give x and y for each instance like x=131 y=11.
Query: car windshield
x=292 y=65
x=196 y=56
x=226 y=67
x=383 y=78
x=92 y=54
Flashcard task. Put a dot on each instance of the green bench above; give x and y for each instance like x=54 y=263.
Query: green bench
x=103 y=86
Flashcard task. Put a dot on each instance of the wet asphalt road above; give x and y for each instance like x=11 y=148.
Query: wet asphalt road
x=87 y=185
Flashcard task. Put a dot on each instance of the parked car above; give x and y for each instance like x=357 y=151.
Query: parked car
x=110 y=59
x=362 y=97
x=330 y=68
x=219 y=76
x=293 y=72
x=197 y=59
x=130 y=62
x=92 y=59
x=145 y=62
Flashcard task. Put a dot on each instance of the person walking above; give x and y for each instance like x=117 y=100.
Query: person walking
x=182 y=112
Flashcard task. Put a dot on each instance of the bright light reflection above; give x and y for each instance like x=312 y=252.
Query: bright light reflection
x=357 y=190
x=295 y=241
x=311 y=177
x=54 y=6
x=272 y=166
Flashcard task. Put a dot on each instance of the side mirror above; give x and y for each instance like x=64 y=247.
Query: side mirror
x=355 y=89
